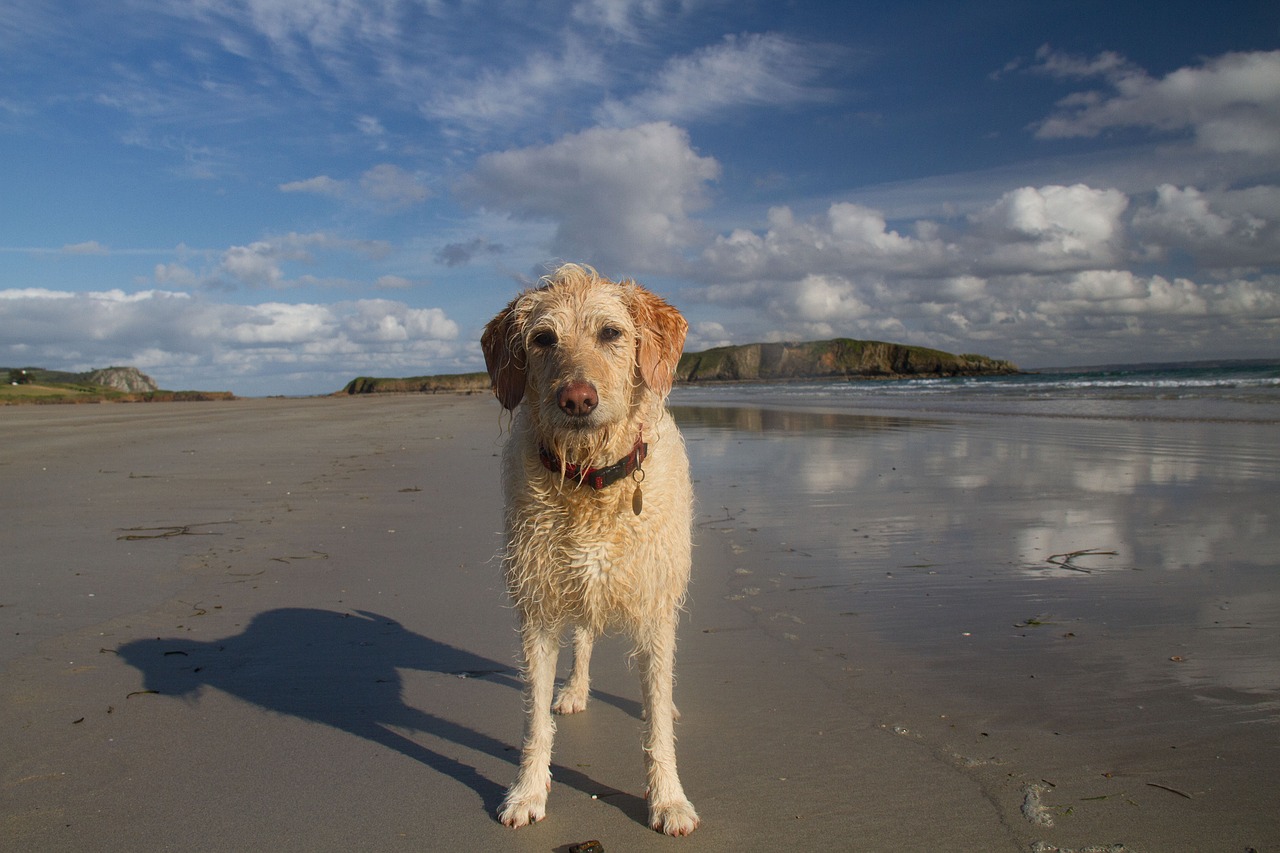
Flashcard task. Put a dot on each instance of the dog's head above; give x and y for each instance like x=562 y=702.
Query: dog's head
x=582 y=350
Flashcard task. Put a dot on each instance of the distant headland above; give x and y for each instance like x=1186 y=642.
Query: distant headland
x=107 y=384
x=840 y=358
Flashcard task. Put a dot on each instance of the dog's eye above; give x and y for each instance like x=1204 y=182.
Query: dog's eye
x=545 y=340
x=609 y=334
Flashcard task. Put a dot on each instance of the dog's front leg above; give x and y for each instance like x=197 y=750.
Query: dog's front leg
x=669 y=809
x=573 y=696
x=526 y=800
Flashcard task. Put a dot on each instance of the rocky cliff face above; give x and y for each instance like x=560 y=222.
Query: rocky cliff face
x=839 y=358
x=127 y=379
x=842 y=357
x=460 y=383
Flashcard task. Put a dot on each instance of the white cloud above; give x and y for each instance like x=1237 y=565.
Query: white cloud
x=189 y=341
x=267 y=263
x=831 y=299
x=626 y=18
x=1231 y=103
x=386 y=188
x=502 y=97
x=1117 y=292
x=1052 y=227
x=754 y=70
x=1047 y=272
x=321 y=24
x=18 y=293
x=705 y=334
x=618 y=197
x=320 y=185
x=847 y=237
x=175 y=275
x=1220 y=229
x=1108 y=64
x=91 y=247
x=259 y=263
x=391 y=188
x=370 y=126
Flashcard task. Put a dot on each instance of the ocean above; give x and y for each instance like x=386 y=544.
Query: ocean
x=1225 y=390
x=1089 y=551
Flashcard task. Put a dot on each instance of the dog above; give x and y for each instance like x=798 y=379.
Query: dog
x=598 y=509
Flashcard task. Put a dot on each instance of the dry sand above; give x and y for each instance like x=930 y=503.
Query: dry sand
x=278 y=624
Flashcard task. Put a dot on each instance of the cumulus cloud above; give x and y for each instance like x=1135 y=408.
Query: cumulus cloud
x=1220 y=229
x=1114 y=293
x=754 y=70
x=266 y=263
x=215 y=345
x=1048 y=272
x=848 y=236
x=1230 y=103
x=385 y=187
x=618 y=197
x=1052 y=227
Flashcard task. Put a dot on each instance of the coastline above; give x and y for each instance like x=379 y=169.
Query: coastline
x=312 y=595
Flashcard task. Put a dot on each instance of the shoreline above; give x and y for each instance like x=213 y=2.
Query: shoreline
x=333 y=659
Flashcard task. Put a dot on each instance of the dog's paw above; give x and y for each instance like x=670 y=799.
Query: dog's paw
x=570 y=702
x=676 y=818
x=525 y=803
x=518 y=811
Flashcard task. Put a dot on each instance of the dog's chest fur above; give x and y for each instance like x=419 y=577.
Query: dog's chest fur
x=579 y=555
x=585 y=547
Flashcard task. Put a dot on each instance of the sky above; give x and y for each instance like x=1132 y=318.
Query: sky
x=277 y=196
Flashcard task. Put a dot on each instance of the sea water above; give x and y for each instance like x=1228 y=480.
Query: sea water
x=1071 y=548
x=1237 y=390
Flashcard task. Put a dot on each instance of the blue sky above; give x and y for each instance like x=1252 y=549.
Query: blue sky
x=274 y=196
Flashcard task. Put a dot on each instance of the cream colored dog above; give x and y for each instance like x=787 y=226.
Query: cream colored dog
x=598 y=508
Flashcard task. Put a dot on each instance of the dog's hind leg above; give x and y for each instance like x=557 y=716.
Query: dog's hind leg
x=526 y=800
x=669 y=809
x=573 y=695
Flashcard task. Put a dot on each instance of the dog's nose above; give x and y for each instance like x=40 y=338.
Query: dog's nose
x=577 y=399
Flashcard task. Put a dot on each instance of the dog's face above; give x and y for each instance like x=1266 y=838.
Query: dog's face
x=582 y=350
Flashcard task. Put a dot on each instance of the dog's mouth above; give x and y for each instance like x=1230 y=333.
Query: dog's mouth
x=577 y=406
x=580 y=423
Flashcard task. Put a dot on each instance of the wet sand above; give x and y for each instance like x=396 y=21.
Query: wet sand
x=278 y=624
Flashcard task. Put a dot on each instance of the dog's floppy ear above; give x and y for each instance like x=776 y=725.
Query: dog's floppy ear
x=661 y=329
x=504 y=356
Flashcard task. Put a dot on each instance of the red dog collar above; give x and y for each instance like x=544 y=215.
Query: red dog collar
x=598 y=478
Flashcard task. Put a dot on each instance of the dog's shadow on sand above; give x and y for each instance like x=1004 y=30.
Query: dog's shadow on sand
x=342 y=669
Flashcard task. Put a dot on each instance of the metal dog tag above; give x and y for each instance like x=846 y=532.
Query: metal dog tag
x=637 y=501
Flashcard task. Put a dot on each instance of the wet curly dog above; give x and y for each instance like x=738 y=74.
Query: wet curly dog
x=598 y=508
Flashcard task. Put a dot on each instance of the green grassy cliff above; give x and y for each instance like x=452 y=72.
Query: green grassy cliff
x=108 y=384
x=839 y=358
x=455 y=383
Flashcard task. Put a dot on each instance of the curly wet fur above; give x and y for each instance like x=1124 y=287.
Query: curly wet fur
x=580 y=557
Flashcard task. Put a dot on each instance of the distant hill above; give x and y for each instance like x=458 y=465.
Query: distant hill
x=122 y=384
x=128 y=379
x=839 y=358
x=455 y=383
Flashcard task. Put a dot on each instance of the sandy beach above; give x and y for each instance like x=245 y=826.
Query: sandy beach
x=279 y=625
